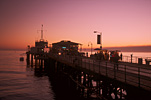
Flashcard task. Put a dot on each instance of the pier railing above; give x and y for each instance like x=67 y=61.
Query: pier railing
x=135 y=59
x=133 y=74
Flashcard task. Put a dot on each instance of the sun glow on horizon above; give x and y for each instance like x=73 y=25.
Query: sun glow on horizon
x=122 y=23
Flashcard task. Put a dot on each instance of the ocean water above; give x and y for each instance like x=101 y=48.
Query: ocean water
x=19 y=82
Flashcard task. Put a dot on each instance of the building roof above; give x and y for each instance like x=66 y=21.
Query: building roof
x=64 y=42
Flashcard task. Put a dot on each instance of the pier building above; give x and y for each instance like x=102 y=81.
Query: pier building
x=66 y=47
x=40 y=45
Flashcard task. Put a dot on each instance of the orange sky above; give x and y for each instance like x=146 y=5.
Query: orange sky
x=122 y=22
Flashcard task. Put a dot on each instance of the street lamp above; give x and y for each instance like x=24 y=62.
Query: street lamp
x=91 y=46
x=99 y=40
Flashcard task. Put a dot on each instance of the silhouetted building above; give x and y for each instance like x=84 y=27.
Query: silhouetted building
x=39 y=45
x=65 y=47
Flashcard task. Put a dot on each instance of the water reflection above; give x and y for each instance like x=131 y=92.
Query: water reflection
x=40 y=83
x=19 y=82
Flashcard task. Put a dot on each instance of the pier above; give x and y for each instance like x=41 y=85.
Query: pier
x=82 y=70
x=91 y=77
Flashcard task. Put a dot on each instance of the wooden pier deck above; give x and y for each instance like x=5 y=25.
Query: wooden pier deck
x=128 y=73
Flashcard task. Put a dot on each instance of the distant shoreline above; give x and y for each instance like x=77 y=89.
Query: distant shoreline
x=126 y=49
x=122 y=49
x=12 y=50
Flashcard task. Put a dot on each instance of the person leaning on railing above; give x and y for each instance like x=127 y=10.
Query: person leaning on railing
x=116 y=58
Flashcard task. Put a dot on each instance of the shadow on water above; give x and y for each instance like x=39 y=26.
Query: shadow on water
x=59 y=84
x=73 y=84
x=62 y=88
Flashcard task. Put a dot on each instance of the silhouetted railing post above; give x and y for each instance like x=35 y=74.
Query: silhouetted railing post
x=131 y=57
x=114 y=72
x=85 y=63
x=99 y=67
x=125 y=73
x=138 y=76
x=93 y=66
x=89 y=64
x=71 y=60
x=81 y=61
x=106 y=68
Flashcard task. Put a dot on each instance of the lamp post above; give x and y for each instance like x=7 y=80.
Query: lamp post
x=99 y=40
x=91 y=46
x=50 y=47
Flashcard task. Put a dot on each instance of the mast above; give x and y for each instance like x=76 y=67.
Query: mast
x=41 y=32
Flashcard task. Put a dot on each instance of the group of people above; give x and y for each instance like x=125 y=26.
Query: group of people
x=103 y=55
x=113 y=56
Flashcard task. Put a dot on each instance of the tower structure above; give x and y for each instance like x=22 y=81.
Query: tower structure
x=41 y=44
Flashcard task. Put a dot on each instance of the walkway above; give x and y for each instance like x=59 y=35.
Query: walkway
x=132 y=74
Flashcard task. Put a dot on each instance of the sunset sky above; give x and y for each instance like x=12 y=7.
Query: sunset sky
x=122 y=22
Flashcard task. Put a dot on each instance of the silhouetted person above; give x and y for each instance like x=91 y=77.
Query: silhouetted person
x=107 y=56
x=116 y=58
x=87 y=54
x=131 y=57
x=101 y=56
x=121 y=56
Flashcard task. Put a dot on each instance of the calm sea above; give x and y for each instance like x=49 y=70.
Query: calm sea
x=21 y=82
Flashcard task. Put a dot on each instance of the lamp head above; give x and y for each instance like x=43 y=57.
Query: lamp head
x=95 y=31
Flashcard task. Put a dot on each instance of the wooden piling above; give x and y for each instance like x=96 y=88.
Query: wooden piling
x=28 y=58
x=31 y=59
x=35 y=61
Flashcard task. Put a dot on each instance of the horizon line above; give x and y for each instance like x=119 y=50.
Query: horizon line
x=24 y=49
x=84 y=47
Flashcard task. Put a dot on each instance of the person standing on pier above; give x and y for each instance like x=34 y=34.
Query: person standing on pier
x=116 y=58
x=121 y=56
x=131 y=57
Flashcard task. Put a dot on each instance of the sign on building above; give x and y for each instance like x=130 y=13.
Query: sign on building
x=98 y=39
